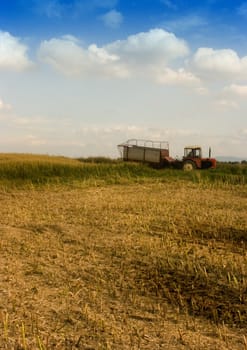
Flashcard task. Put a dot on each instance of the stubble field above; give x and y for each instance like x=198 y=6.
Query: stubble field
x=154 y=263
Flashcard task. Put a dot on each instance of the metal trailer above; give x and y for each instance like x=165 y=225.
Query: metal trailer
x=147 y=151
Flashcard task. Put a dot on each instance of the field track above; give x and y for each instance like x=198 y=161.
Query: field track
x=139 y=266
x=114 y=256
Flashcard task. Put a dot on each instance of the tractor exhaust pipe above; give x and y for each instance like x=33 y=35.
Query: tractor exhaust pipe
x=209 y=152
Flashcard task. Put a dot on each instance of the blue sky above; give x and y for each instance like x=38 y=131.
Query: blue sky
x=78 y=77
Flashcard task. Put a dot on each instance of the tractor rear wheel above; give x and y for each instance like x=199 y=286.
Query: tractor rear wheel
x=188 y=165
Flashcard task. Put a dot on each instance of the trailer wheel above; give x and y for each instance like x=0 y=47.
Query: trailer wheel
x=188 y=165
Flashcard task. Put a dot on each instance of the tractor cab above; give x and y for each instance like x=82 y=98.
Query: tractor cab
x=192 y=159
x=192 y=152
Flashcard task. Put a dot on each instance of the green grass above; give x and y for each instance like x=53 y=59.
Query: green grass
x=36 y=170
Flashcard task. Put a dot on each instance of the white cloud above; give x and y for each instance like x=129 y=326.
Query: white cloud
x=71 y=38
x=13 y=54
x=67 y=56
x=179 y=78
x=230 y=96
x=64 y=54
x=243 y=132
x=202 y=90
x=236 y=90
x=156 y=46
x=4 y=106
x=227 y=104
x=34 y=140
x=142 y=54
x=112 y=19
x=152 y=55
x=220 y=63
x=101 y=55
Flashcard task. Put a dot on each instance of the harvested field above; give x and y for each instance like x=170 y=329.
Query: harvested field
x=148 y=265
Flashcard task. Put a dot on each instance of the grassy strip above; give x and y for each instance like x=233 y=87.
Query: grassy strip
x=30 y=169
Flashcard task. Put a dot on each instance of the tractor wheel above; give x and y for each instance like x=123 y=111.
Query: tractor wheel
x=188 y=165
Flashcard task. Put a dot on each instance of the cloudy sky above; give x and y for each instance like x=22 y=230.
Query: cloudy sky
x=78 y=77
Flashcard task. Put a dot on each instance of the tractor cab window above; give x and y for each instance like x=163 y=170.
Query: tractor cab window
x=192 y=152
x=197 y=153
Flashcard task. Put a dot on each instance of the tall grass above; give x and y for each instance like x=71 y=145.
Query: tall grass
x=35 y=169
x=38 y=170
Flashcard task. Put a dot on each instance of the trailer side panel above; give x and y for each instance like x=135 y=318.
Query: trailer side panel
x=142 y=154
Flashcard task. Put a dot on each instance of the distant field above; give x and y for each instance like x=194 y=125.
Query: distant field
x=100 y=254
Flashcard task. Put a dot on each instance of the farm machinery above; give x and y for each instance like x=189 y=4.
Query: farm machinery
x=156 y=153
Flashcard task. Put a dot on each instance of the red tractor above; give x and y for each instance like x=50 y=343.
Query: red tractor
x=193 y=159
